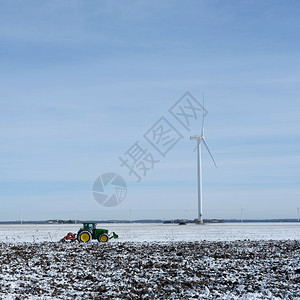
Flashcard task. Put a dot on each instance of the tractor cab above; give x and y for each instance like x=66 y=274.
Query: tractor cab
x=89 y=226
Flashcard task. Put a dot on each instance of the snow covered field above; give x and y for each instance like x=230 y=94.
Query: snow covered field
x=152 y=261
x=159 y=232
x=173 y=270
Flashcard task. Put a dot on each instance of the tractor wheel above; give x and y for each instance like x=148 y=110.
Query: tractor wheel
x=84 y=236
x=103 y=238
x=78 y=235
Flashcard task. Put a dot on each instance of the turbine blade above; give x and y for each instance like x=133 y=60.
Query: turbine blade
x=196 y=148
x=204 y=142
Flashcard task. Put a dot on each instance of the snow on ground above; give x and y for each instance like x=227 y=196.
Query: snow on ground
x=159 y=232
x=173 y=270
x=152 y=261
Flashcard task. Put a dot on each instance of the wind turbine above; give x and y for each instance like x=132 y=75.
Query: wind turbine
x=201 y=140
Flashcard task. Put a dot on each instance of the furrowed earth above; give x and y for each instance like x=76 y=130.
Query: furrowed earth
x=173 y=270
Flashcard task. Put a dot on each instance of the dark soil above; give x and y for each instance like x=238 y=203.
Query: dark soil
x=176 y=270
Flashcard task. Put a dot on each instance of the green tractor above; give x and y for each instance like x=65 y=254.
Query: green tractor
x=90 y=232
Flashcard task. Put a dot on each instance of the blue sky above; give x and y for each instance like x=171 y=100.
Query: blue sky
x=82 y=81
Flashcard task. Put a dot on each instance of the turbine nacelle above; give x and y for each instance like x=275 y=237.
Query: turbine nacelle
x=196 y=137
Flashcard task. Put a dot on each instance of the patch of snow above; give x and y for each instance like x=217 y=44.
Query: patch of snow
x=158 y=232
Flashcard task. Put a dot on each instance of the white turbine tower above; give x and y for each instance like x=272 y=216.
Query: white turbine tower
x=201 y=139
